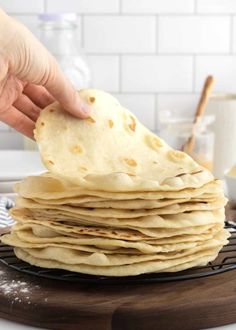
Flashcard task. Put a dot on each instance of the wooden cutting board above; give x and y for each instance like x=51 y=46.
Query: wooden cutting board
x=181 y=305
x=186 y=305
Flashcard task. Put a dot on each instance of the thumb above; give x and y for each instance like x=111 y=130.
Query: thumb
x=59 y=86
x=31 y=62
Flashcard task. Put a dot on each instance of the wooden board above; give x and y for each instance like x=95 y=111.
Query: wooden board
x=185 y=305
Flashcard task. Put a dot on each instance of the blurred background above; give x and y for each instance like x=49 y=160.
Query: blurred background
x=151 y=54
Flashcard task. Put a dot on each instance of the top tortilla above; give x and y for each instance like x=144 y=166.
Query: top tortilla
x=112 y=150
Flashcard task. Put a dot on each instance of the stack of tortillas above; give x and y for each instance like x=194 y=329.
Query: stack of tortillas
x=117 y=200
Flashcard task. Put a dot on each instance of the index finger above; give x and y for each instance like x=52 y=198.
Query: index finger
x=59 y=86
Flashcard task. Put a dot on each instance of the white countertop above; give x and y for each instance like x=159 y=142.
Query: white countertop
x=7 y=325
x=17 y=164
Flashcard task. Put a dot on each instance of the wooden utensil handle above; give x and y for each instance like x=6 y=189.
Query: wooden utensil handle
x=206 y=92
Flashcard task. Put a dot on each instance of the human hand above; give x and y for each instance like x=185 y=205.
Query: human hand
x=30 y=79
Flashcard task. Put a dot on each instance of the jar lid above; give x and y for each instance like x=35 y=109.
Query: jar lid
x=49 y=17
x=167 y=117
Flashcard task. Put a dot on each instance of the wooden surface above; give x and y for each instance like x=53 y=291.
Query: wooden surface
x=184 y=305
x=192 y=304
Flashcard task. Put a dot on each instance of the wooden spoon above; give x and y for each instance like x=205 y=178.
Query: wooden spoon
x=206 y=92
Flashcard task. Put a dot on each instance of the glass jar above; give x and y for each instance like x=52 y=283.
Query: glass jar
x=177 y=130
x=58 y=32
x=223 y=107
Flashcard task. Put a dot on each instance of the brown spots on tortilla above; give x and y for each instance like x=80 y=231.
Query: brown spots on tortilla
x=157 y=143
x=92 y=99
x=110 y=122
x=154 y=142
x=83 y=168
x=42 y=123
x=76 y=149
x=90 y=120
x=175 y=155
x=51 y=162
x=130 y=174
x=51 y=110
x=180 y=175
x=132 y=126
x=130 y=162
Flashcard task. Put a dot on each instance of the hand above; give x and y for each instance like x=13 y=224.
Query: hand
x=30 y=79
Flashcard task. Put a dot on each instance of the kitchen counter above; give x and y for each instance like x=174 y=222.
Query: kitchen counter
x=8 y=325
x=4 y=324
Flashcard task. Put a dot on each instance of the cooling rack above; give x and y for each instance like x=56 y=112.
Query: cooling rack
x=225 y=261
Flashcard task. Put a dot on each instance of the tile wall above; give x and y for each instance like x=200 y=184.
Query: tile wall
x=152 y=54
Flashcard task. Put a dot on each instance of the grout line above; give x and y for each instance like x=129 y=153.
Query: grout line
x=118 y=14
x=120 y=73
x=153 y=54
x=45 y=7
x=157 y=33
x=231 y=39
x=142 y=14
x=121 y=6
x=159 y=92
x=156 y=112
x=107 y=90
x=195 y=7
x=82 y=32
x=194 y=74
x=35 y=15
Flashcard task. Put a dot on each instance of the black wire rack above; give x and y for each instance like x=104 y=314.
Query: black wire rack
x=225 y=261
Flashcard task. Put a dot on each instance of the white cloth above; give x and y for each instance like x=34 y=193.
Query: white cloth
x=5 y=219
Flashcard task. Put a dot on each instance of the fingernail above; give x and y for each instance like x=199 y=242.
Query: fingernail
x=85 y=108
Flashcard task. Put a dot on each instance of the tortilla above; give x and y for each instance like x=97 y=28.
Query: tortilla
x=117 y=200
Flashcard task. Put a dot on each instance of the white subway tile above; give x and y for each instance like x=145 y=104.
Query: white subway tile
x=142 y=105
x=11 y=140
x=4 y=127
x=234 y=34
x=223 y=68
x=184 y=103
x=22 y=6
x=105 y=72
x=177 y=104
x=30 y=21
x=157 y=73
x=158 y=6
x=117 y=34
x=83 y=6
x=192 y=34
x=216 y=6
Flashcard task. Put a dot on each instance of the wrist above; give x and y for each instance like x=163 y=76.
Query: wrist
x=8 y=30
x=3 y=17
